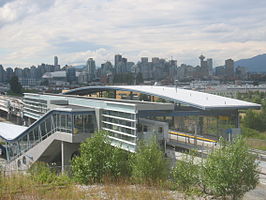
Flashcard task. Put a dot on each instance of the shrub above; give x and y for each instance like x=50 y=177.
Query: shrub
x=41 y=173
x=149 y=164
x=230 y=171
x=99 y=159
x=186 y=174
x=119 y=163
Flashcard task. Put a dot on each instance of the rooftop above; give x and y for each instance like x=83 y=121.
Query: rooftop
x=193 y=98
x=10 y=131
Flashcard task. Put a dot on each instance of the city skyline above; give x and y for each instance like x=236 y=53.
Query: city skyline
x=34 y=31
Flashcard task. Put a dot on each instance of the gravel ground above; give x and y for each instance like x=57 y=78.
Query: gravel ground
x=259 y=193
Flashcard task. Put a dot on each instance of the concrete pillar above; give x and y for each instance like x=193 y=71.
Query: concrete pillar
x=62 y=157
x=200 y=125
x=195 y=134
x=237 y=120
x=98 y=117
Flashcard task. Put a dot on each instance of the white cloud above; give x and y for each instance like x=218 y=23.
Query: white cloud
x=33 y=31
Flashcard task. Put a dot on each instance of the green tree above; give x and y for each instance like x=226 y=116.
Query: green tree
x=149 y=164
x=230 y=171
x=186 y=174
x=119 y=164
x=255 y=121
x=15 y=86
x=98 y=159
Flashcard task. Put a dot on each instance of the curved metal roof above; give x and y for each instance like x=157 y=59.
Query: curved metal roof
x=201 y=100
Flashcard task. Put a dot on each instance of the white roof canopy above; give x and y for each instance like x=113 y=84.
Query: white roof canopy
x=201 y=100
x=10 y=131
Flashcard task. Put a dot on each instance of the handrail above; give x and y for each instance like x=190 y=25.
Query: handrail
x=29 y=146
x=192 y=136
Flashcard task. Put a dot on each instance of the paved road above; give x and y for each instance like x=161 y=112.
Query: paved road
x=259 y=193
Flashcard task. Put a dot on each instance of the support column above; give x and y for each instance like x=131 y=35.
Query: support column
x=62 y=157
x=195 y=134
x=200 y=125
x=98 y=114
x=237 y=120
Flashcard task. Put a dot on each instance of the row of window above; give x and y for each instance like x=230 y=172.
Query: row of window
x=122 y=137
x=119 y=121
x=119 y=114
x=119 y=128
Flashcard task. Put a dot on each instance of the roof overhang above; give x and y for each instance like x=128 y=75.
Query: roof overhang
x=200 y=100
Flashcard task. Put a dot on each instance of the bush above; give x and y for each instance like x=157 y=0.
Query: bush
x=149 y=164
x=186 y=174
x=230 y=171
x=41 y=173
x=99 y=159
x=119 y=163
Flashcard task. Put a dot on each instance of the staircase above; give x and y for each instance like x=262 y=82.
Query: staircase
x=44 y=141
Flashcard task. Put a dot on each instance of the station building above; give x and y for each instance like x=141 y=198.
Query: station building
x=178 y=118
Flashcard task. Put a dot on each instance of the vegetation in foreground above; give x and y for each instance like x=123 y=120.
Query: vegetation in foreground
x=227 y=173
x=253 y=123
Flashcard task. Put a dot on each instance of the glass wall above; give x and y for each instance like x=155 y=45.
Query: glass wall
x=118 y=114
x=84 y=123
x=121 y=128
x=67 y=122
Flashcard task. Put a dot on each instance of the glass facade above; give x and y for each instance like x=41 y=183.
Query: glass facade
x=55 y=121
x=121 y=127
x=35 y=106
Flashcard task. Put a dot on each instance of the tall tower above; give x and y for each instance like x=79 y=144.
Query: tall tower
x=118 y=58
x=202 y=57
x=91 y=68
x=55 y=61
x=210 y=65
x=229 y=69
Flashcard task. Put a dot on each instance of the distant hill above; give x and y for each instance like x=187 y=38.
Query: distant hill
x=254 y=64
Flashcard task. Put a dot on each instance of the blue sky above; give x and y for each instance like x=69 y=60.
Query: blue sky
x=33 y=31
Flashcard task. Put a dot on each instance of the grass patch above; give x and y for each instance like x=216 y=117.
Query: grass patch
x=257 y=144
x=255 y=139
x=254 y=134
x=22 y=186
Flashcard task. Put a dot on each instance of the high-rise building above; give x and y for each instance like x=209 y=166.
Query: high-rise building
x=9 y=74
x=71 y=74
x=229 y=69
x=120 y=64
x=204 y=69
x=155 y=60
x=106 y=68
x=220 y=71
x=144 y=59
x=55 y=61
x=202 y=57
x=18 y=72
x=241 y=73
x=118 y=58
x=210 y=66
x=91 y=69
x=2 y=74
